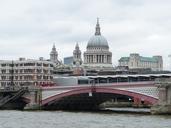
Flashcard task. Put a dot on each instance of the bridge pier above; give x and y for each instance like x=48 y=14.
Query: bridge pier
x=35 y=99
x=164 y=103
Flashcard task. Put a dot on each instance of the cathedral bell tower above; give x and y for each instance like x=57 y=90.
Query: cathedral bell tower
x=54 y=55
x=77 y=61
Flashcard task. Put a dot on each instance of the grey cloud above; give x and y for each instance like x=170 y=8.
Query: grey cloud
x=129 y=26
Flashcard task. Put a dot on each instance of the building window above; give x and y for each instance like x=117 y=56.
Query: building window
x=3 y=65
x=3 y=71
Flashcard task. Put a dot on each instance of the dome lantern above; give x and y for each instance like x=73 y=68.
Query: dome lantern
x=97 y=28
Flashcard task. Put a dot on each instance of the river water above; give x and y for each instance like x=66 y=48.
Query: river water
x=63 y=119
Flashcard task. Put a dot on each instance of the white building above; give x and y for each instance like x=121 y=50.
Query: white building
x=97 y=55
x=135 y=61
x=25 y=72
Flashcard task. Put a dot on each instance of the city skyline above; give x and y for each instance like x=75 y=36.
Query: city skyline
x=29 y=29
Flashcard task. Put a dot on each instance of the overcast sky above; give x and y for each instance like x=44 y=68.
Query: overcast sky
x=28 y=28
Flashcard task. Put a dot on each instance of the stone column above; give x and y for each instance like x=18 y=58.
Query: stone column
x=94 y=59
x=91 y=58
x=100 y=57
x=97 y=58
x=105 y=58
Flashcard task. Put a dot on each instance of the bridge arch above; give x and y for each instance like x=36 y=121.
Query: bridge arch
x=94 y=90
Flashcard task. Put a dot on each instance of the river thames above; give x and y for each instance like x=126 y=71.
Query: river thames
x=63 y=119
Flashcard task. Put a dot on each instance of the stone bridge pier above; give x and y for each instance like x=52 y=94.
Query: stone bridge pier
x=164 y=104
x=35 y=96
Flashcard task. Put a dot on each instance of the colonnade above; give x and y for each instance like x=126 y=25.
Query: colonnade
x=101 y=58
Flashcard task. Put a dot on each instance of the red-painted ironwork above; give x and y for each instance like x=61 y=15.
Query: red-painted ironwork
x=82 y=90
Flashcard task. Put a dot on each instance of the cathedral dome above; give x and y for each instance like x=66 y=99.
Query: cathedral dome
x=97 y=56
x=97 y=41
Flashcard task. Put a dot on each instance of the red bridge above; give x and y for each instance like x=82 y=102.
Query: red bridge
x=90 y=92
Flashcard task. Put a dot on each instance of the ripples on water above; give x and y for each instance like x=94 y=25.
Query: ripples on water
x=60 y=119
